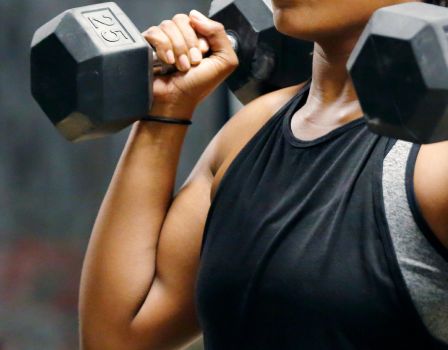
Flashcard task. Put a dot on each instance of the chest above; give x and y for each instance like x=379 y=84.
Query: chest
x=298 y=227
x=295 y=246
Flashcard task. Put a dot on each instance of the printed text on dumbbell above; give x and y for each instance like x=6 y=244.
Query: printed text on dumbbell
x=108 y=27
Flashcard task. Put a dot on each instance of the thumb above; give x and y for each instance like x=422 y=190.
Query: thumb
x=213 y=31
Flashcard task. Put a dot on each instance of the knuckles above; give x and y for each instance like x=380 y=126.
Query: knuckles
x=181 y=17
x=150 y=32
x=166 y=24
x=154 y=37
x=157 y=35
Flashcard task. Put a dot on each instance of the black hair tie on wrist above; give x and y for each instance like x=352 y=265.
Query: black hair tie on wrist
x=167 y=120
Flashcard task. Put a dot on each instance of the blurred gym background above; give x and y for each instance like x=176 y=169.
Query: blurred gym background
x=50 y=190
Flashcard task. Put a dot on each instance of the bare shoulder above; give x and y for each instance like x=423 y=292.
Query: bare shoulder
x=431 y=187
x=240 y=129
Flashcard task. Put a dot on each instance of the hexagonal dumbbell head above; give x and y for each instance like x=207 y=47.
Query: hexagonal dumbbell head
x=90 y=71
x=400 y=71
x=268 y=59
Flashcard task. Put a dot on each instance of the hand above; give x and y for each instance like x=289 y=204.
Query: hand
x=183 y=41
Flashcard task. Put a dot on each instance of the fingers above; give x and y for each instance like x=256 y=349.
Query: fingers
x=176 y=42
x=191 y=40
x=203 y=45
x=161 y=43
x=216 y=36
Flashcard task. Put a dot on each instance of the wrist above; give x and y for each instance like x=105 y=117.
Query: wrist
x=157 y=133
x=172 y=111
x=167 y=120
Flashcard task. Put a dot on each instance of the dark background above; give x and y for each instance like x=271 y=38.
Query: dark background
x=50 y=189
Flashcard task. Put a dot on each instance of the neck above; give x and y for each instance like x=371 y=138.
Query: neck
x=332 y=99
x=330 y=80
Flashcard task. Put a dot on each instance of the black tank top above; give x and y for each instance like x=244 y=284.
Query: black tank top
x=296 y=251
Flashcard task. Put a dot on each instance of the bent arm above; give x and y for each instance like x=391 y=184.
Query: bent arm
x=137 y=288
x=119 y=266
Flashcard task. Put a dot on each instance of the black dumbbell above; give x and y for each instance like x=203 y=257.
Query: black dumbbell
x=91 y=70
x=399 y=68
x=268 y=60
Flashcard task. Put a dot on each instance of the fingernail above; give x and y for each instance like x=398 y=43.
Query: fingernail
x=199 y=16
x=203 y=45
x=195 y=55
x=170 y=57
x=184 y=62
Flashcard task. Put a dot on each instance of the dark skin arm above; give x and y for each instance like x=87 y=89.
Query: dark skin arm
x=129 y=299
x=431 y=187
x=142 y=288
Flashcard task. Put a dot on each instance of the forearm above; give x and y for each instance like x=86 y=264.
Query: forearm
x=120 y=261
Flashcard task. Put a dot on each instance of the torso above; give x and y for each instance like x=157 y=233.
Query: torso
x=239 y=242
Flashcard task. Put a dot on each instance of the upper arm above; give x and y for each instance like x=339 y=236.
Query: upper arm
x=167 y=318
x=431 y=187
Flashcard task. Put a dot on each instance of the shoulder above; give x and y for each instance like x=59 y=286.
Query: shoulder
x=431 y=187
x=240 y=129
x=237 y=132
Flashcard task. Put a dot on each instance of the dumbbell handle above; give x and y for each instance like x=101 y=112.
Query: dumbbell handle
x=161 y=68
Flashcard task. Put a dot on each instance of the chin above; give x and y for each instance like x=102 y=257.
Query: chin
x=311 y=26
x=291 y=24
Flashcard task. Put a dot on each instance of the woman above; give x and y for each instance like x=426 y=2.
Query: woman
x=297 y=229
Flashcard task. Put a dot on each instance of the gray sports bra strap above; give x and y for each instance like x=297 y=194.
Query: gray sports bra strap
x=424 y=270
